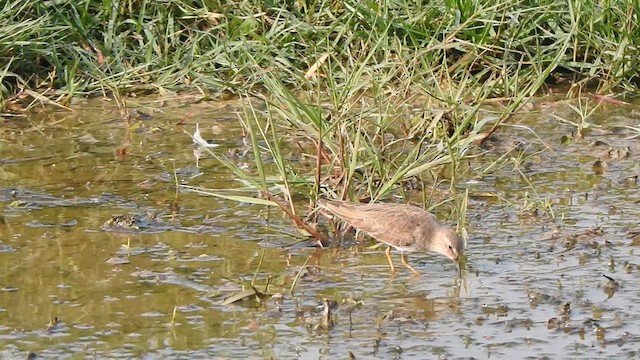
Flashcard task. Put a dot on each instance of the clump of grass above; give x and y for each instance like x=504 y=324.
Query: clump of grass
x=353 y=145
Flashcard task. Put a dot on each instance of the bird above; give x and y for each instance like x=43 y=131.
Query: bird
x=405 y=227
x=199 y=144
x=198 y=140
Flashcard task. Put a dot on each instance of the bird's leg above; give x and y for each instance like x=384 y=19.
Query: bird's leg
x=403 y=259
x=388 y=253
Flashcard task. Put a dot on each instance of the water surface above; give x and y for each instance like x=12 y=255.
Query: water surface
x=545 y=228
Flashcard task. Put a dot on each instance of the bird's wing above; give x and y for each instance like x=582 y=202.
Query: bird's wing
x=394 y=224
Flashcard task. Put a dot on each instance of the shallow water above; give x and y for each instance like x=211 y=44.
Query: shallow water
x=544 y=228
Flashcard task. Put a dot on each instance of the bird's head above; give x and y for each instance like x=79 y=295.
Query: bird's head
x=446 y=242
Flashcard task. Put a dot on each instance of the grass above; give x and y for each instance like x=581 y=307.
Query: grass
x=484 y=49
x=364 y=100
x=357 y=147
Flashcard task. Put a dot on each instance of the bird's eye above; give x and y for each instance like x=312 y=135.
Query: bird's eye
x=450 y=247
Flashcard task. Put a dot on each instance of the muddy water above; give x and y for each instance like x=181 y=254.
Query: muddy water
x=551 y=270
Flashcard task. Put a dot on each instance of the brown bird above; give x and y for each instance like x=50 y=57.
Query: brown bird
x=405 y=227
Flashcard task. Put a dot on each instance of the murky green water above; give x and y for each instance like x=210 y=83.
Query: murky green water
x=544 y=230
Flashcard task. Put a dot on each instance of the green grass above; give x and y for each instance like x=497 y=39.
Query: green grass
x=476 y=49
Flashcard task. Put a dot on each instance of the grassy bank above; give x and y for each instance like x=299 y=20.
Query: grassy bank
x=474 y=49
